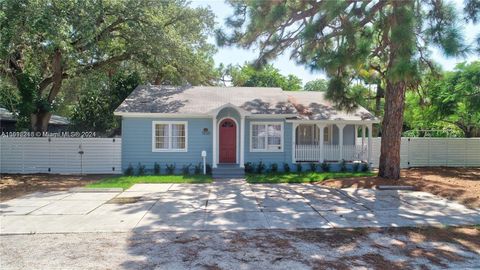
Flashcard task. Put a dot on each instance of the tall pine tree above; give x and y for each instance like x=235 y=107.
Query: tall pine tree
x=338 y=37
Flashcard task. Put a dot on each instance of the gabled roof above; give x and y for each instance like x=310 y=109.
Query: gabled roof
x=203 y=100
x=313 y=106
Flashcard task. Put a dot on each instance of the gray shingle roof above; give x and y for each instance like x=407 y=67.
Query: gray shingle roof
x=255 y=100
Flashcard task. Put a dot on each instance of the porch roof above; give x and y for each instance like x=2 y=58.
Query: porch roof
x=313 y=106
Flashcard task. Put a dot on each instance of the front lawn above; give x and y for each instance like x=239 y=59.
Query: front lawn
x=306 y=177
x=128 y=181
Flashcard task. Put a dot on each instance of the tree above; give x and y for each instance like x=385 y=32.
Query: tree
x=45 y=42
x=316 y=85
x=341 y=36
x=99 y=98
x=264 y=76
x=455 y=98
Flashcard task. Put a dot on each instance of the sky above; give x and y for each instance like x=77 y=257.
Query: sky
x=234 y=56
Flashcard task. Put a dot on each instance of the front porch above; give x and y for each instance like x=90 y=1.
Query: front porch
x=321 y=141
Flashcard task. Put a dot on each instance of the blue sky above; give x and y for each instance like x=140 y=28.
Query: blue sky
x=234 y=56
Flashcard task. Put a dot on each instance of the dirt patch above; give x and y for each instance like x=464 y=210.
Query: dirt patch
x=375 y=248
x=459 y=184
x=15 y=185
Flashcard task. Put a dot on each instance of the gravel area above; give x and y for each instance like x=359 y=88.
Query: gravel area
x=394 y=248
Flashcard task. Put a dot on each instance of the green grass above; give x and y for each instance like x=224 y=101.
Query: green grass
x=128 y=181
x=305 y=177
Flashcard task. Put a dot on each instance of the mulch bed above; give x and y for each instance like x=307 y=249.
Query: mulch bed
x=15 y=185
x=459 y=184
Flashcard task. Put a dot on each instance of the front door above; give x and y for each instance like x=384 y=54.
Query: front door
x=228 y=141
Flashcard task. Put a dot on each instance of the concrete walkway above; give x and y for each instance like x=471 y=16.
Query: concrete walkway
x=227 y=205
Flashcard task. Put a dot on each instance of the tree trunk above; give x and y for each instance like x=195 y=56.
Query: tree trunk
x=389 y=166
x=40 y=121
x=41 y=117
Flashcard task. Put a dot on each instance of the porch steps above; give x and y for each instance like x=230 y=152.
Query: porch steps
x=228 y=172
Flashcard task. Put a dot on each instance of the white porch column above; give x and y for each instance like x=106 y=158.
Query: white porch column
x=369 y=157
x=340 y=139
x=214 y=144
x=355 y=135
x=294 y=141
x=322 y=142
x=242 y=141
x=363 y=135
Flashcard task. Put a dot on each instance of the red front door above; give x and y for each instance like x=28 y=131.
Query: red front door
x=228 y=141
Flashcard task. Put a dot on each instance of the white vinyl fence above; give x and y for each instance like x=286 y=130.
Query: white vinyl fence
x=431 y=152
x=60 y=155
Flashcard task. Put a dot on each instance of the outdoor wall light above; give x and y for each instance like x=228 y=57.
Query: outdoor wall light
x=205 y=131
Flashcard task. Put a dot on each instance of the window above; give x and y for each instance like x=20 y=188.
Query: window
x=169 y=136
x=307 y=134
x=266 y=137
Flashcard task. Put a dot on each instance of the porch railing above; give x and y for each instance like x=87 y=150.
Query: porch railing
x=312 y=153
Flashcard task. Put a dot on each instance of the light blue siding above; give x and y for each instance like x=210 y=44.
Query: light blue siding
x=137 y=143
x=270 y=157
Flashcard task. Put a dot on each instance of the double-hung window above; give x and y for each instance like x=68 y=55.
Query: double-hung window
x=266 y=137
x=169 y=136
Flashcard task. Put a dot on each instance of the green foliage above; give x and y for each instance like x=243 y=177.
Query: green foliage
x=365 y=167
x=128 y=181
x=249 y=167
x=186 y=169
x=99 y=97
x=170 y=168
x=313 y=167
x=265 y=76
x=273 y=167
x=355 y=167
x=299 y=167
x=44 y=43
x=448 y=103
x=305 y=177
x=286 y=168
x=320 y=85
x=325 y=166
x=208 y=169
x=140 y=169
x=197 y=169
x=129 y=171
x=343 y=166
x=342 y=37
x=260 y=167
x=156 y=168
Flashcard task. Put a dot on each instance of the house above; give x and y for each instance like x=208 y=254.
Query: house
x=8 y=122
x=236 y=125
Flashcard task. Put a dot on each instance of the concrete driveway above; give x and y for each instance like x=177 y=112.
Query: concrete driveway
x=232 y=205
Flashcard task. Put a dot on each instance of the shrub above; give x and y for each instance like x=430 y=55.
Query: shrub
x=313 y=167
x=140 y=169
x=299 y=167
x=170 y=168
x=249 y=167
x=156 y=168
x=343 y=166
x=129 y=170
x=325 y=166
x=208 y=168
x=365 y=167
x=286 y=167
x=186 y=169
x=355 y=166
x=260 y=167
x=274 y=168
x=198 y=168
